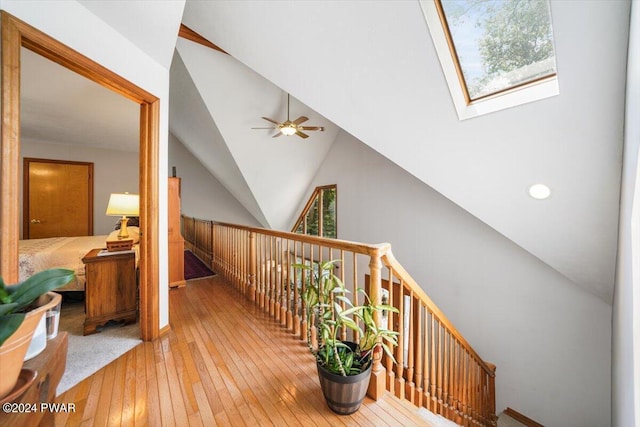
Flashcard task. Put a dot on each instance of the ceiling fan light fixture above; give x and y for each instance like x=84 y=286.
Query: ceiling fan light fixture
x=288 y=130
x=290 y=127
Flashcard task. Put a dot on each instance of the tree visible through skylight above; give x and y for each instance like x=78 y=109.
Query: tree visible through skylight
x=500 y=44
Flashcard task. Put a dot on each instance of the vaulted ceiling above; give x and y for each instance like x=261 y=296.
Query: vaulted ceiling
x=370 y=68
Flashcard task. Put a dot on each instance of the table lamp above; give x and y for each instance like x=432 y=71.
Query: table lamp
x=123 y=204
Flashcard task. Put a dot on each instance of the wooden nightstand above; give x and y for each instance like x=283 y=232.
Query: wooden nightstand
x=110 y=288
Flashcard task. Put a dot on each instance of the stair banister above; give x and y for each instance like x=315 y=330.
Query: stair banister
x=440 y=372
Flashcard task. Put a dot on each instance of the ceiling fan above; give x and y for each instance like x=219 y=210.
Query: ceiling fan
x=290 y=127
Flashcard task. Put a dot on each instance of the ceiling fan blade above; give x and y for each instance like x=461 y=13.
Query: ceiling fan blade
x=277 y=135
x=271 y=120
x=320 y=128
x=272 y=127
x=300 y=119
x=302 y=135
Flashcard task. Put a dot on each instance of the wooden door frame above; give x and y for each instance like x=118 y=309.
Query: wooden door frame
x=17 y=34
x=26 y=227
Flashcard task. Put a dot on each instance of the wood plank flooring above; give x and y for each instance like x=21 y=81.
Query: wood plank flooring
x=222 y=363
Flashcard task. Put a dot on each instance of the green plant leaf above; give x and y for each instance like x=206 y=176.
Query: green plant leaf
x=9 y=324
x=39 y=284
x=4 y=294
x=387 y=350
x=5 y=309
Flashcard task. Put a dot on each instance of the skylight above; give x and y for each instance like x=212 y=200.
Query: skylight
x=495 y=53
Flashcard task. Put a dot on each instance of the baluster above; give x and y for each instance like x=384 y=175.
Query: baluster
x=400 y=362
x=227 y=253
x=303 y=286
x=277 y=283
x=267 y=273
x=465 y=384
x=472 y=389
x=452 y=379
x=343 y=337
x=409 y=384
x=432 y=374
x=263 y=266
x=391 y=322
x=426 y=399
x=459 y=380
x=439 y=378
x=354 y=262
x=286 y=271
x=445 y=372
x=263 y=272
x=296 y=296
x=272 y=289
x=314 y=330
x=245 y=262
x=418 y=349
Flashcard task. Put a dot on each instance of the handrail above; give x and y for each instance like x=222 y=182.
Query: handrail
x=361 y=248
x=436 y=367
x=391 y=261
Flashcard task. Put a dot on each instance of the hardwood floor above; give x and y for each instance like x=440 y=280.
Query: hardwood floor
x=222 y=363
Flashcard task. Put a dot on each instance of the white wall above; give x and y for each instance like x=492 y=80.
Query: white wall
x=73 y=25
x=113 y=172
x=626 y=298
x=549 y=339
x=202 y=195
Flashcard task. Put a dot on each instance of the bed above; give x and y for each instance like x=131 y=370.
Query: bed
x=61 y=252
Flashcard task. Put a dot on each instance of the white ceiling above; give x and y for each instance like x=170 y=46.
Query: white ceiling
x=151 y=25
x=359 y=63
x=236 y=98
x=66 y=108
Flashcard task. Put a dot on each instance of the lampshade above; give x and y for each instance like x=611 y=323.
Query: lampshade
x=123 y=204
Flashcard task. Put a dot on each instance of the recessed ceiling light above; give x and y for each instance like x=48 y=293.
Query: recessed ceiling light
x=539 y=191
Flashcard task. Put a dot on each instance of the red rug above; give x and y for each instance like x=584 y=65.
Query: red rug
x=194 y=268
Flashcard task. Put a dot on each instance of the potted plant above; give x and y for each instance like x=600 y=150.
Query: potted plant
x=21 y=308
x=344 y=367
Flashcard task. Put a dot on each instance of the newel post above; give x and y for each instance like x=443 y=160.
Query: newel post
x=252 y=266
x=377 y=384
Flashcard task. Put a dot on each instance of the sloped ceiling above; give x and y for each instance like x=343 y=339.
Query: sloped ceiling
x=276 y=171
x=192 y=124
x=151 y=25
x=371 y=68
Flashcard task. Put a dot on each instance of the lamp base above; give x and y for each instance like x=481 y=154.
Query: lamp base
x=123 y=234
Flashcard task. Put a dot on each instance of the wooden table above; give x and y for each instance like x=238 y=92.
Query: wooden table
x=34 y=411
x=110 y=288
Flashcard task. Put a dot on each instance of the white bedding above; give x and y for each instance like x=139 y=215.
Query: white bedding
x=57 y=252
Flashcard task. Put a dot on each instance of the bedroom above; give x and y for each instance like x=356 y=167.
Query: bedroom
x=103 y=134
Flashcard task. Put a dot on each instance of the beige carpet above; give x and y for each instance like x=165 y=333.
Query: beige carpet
x=87 y=354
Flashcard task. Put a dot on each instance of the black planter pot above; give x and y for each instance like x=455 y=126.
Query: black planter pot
x=344 y=395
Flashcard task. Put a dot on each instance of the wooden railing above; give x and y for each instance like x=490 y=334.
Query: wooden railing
x=436 y=367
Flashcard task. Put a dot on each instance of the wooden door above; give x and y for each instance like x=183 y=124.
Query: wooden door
x=58 y=198
x=176 y=241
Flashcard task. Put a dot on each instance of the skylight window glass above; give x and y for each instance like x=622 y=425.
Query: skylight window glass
x=498 y=45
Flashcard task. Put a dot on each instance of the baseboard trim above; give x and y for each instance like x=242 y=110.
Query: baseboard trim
x=522 y=418
x=164 y=330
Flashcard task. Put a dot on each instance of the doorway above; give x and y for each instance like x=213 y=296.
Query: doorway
x=17 y=34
